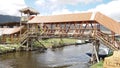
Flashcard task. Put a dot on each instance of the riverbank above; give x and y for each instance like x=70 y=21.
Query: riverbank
x=69 y=56
x=56 y=42
x=6 y=48
x=48 y=43
x=98 y=65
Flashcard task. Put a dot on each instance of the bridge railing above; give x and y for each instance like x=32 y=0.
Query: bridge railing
x=70 y=33
x=107 y=40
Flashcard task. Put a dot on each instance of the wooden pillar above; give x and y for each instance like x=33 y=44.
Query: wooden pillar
x=3 y=39
x=98 y=27
x=11 y=38
x=95 y=52
x=27 y=26
x=84 y=28
x=20 y=26
x=27 y=49
x=27 y=38
x=65 y=27
x=80 y=28
x=61 y=41
x=51 y=29
x=41 y=28
x=74 y=29
x=36 y=28
x=31 y=43
x=113 y=36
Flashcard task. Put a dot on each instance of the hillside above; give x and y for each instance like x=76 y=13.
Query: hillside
x=7 y=18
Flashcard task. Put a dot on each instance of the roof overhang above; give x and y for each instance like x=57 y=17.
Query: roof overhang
x=77 y=17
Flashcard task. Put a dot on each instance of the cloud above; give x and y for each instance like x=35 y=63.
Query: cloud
x=11 y=7
x=111 y=9
x=74 y=2
x=63 y=11
x=65 y=2
x=52 y=6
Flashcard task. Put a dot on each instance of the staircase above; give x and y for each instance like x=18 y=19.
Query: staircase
x=29 y=35
x=23 y=37
x=105 y=39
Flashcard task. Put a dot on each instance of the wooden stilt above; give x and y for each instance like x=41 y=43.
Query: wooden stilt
x=11 y=38
x=27 y=45
x=61 y=40
x=4 y=39
x=92 y=57
x=40 y=43
x=95 y=51
x=32 y=44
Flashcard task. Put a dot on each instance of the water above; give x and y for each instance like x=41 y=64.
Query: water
x=66 y=57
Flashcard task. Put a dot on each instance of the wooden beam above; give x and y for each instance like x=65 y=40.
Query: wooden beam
x=113 y=36
x=3 y=39
x=69 y=28
x=11 y=38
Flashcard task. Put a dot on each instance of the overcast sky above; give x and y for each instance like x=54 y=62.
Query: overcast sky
x=110 y=8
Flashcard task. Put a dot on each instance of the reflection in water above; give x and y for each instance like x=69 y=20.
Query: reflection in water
x=66 y=57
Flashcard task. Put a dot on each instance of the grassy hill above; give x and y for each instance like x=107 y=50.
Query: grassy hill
x=7 y=18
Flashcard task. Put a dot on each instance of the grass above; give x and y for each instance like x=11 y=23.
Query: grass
x=8 y=47
x=98 y=65
x=57 y=41
x=46 y=42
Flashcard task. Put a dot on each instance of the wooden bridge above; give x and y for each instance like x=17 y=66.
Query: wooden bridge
x=80 y=25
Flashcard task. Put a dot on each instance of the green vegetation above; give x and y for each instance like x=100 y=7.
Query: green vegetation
x=8 y=47
x=56 y=41
x=4 y=48
x=98 y=65
x=110 y=53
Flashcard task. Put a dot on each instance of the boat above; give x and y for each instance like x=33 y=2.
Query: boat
x=103 y=52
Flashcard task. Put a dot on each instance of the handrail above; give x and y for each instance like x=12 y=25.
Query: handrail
x=22 y=37
x=25 y=35
x=105 y=39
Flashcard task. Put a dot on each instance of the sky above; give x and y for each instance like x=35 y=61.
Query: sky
x=110 y=8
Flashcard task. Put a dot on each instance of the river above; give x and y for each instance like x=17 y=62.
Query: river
x=65 y=57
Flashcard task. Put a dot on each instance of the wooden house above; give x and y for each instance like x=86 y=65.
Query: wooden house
x=10 y=32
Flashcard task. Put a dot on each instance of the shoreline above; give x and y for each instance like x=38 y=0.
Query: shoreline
x=52 y=43
x=40 y=49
